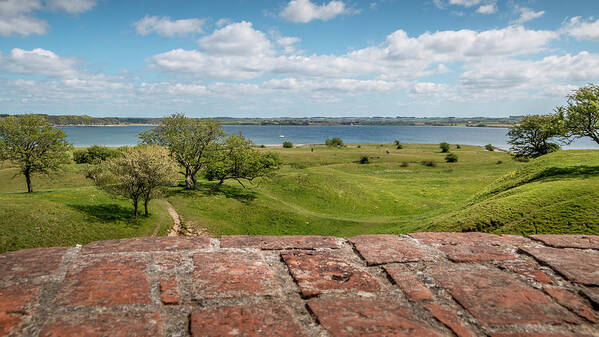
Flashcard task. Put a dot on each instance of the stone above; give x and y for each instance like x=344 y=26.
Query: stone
x=252 y=320
x=168 y=291
x=580 y=266
x=323 y=271
x=475 y=253
x=147 y=244
x=278 y=242
x=449 y=318
x=105 y=281
x=228 y=274
x=573 y=302
x=167 y=262
x=16 y=304
x=117 y=324
x=568 y=241
x=592 y=294
x=380 y=249
x=469 y=238
x=409 y=283
x=496 y=297
x=537 y=334
x=30 y=263
x=528 y=269
x=367 y=316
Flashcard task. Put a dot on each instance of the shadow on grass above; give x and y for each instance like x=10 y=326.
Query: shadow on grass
x=581 y=171
x=108 y=212
x=205 y=189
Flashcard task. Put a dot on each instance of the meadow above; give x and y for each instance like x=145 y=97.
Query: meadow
x=326 y=192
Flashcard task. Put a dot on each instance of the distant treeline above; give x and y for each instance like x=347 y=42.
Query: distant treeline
x=432 y=121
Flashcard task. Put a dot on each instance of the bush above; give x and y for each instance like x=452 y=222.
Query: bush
x=398 y=145
x=451 y=158
x=94 y=154
x=359 y=146
x=444 y=147
x=336 y=141
x=499 y=162
x=404 y=164
x=428 y=163
x=458 y=146
x=287 y=144
x=490 y=147
x=364 y=160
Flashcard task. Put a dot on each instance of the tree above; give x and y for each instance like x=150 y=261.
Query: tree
x=490 y=147
x=582 y=113
x=444 y=147
x=451 y=158
x=531 y=138
x=137 y=175
x=237 y=160
x=33 y=145
x=190 y=142
x=335 y=141
x=287 y=144
x=398 y=145
x=94 y=154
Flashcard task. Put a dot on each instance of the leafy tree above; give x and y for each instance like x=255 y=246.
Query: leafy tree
x=490 y=147
x=531 y=138
x=287 y=144
x=137 y=175
x=335 y=141
x=190 y=142
x=237 y=160
x=451 y=158
x=94 y=154
x=582 y=113
x=398 y=145
x=364 y=160
x=444 y=147
x=33 y=145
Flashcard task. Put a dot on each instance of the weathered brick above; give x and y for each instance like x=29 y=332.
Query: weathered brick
x=15 y=304
x=30 y=263
x=573 y=302
x=147 y=244
x=278 y=242
x=324 y=271
x=496 y=297
x=592 y=294
x=568 y=241
x=362 y=316
x=252 y=320
x=231 y=274
x=580 y=266
x=169 y=294
x=475 y=253
x=527 y=269
x=537 y=334
x=409 y=283
x=167 y=262
x=469 y=238
x=105 y=281
x=449 y=318
x=379 y=249
x=120 y=324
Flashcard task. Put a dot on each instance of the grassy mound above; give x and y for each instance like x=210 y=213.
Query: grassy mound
x=556 y=193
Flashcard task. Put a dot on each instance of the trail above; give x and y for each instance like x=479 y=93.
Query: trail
x=176 y=220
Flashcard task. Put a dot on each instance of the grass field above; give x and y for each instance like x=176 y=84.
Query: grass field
x=326 y=192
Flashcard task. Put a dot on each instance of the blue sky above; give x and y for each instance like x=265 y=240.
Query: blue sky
x=257 y=58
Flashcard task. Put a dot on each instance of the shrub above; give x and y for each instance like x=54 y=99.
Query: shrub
x=458 y=146
x=404 y=164
x=490 y=147
x=359 y=146
x=94 y=154
x=444 y=147
x=287 y=144
x=364 y=160
x=335 y=141
x=398 y=145
x=428 y=163
x=451 y=158
x=262 y=146
x=499 y=162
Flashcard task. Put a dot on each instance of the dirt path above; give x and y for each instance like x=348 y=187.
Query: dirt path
x=176 y=220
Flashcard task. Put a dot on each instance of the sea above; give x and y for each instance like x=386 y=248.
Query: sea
x=312 y=134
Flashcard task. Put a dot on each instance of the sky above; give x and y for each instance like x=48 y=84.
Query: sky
x=298 y=58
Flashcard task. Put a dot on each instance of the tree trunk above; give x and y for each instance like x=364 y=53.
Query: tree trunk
x=194 y=181
x=217 y=186
x=28 y=179
x=188 y=181
x=135 y=207
x=146 y=207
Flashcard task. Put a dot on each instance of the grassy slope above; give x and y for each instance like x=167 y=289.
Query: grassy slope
x=66 y=210
x=557 y=193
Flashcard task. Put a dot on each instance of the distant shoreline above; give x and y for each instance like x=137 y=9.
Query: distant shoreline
x=250 y=124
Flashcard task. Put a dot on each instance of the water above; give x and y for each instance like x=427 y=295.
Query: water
x=270 y=134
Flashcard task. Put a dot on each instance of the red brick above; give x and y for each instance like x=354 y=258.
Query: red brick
x=537 y=334
x=167 y=262
x=168 y=291
x=580 y=266
x=106 y=281
x=147 y=244
x=496 y=297
x=30 y=263
x=568 y=241
x=449 y=318
x=527 y=269
x=278 y=242
x=409 y=283
x=121 y=324
x=379 y=249
x=469 y=238
x=361 y=316
x=475 y=253
x=573 y=302
x=252 y=320
x=231 y=274
x=592 y=294
x=15 y=304
x=324 y=271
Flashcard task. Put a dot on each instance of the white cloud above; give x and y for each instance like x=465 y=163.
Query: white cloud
x=581 y=29
x=71 y=6
x=38 y=62
x=164 y=26
x=526 y=14
x=465 y=3
x=239 y=39
x=304 y=11
x=487 y=9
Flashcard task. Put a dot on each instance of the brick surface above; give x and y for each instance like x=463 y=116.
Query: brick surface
x=122 y=324
x=278 y=242
x=167 y=262
x=528 y=269
x=169 y=294
x=468 y=238
x=15 y=304
x=147 y=244
x=580 y=266
x=231 y=274
x=409 y=283
x=360 y=316
x=320 y=272
x=538 y=334
x=449 y=318
x=30 y=263
x=252 y=320
x=379 y=249
x=106 y=281
x=573 y=302
x=496 y=297
x=568 y=241
x=475 y=253
x=592 y=294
